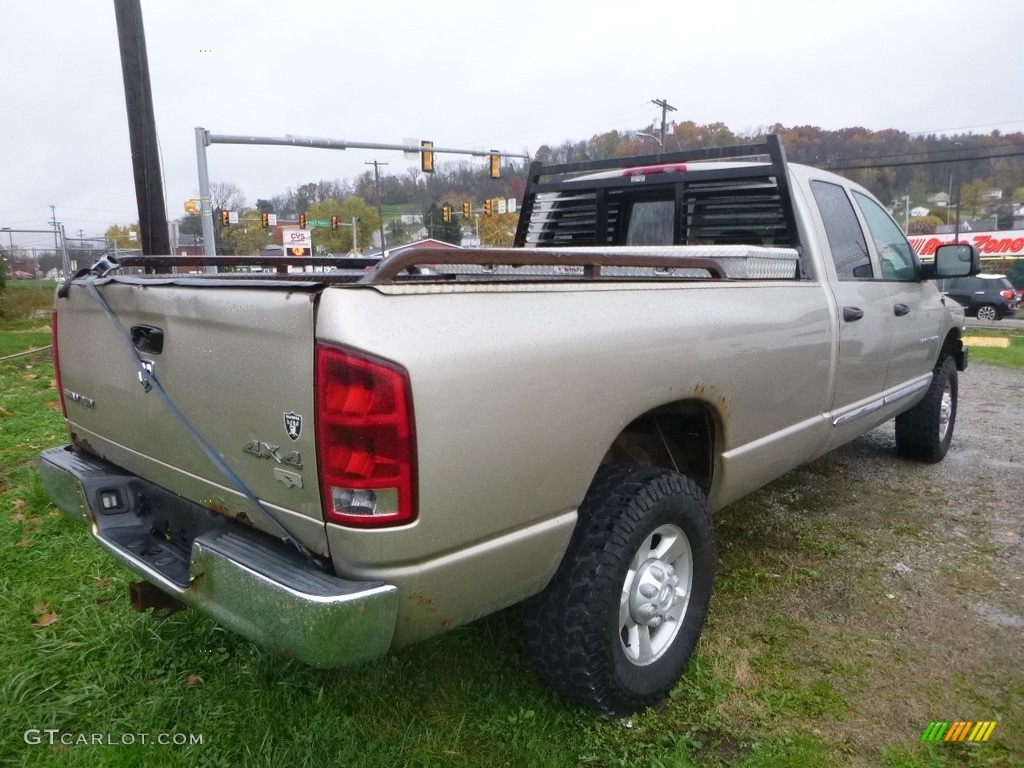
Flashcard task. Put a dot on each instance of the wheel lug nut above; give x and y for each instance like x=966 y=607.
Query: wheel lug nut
x=657 y=573
x=656 y=621
x=648 y=590
x=647 y=610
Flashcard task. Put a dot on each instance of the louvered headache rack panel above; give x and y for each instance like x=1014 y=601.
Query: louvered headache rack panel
x=751 y=204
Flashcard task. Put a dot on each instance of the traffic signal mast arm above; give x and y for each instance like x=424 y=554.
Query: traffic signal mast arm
x=321 y=143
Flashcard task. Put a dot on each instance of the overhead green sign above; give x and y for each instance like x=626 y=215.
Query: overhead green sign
x=318 y=223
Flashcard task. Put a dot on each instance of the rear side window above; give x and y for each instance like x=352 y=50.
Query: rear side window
x=845 y=238
x=894 y=252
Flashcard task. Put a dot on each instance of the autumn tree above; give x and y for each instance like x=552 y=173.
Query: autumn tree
x=124 y=237
x=972 y=196
x=924 y=225
x=248 y=237
x=339 y=241
x=498 y=230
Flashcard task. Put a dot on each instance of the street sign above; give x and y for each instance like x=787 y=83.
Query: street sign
x=297 y=242
x=511 y=205
x=318 y=223
x=233 y=217
x=272 y=219
x=503 y=206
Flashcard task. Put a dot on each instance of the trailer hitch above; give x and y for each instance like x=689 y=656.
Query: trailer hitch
x=144 y=596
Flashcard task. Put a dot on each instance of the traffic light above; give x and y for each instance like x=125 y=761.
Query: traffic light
x=426 y=158
x=488 y=207
x=334 y=222
x=266 y=220
x=446 y=214
x=495 y=166
x=302 y=221
x=467 y=210
x=225 y=217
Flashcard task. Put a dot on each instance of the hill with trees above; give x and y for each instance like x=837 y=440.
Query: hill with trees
x=892 y=164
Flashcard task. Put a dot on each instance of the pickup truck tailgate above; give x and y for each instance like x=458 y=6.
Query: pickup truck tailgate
x=236 y=360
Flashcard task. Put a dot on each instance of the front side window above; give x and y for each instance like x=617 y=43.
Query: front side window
x=845 y=238
x=895 y=255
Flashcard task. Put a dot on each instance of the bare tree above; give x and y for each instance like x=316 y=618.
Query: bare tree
x=226 y=196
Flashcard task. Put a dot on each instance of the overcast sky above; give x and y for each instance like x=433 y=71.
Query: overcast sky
x=508 y=75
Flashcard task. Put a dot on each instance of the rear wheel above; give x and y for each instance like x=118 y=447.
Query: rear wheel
x=619 y=621
x=988 y=313
x=925 y=431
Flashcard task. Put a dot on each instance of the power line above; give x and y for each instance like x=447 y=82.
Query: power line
x=952 y=151
x=945 y=161
x=965 y=128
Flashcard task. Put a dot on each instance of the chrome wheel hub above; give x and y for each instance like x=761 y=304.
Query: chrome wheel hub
x=655 y=594
x=945 y=410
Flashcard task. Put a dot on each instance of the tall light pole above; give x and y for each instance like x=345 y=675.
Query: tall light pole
x=906 y=219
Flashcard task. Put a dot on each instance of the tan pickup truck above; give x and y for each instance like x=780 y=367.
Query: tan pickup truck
x=337 y=463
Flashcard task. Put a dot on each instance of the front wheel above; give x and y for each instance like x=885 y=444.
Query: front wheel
x=925 y=431
x=621 y=617
x=988 y=313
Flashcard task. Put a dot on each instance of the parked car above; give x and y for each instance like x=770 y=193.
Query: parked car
x=987 y=297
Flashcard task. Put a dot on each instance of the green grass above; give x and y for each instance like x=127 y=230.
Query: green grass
x=1010 y=357
x=755 y=695
x=20 y=299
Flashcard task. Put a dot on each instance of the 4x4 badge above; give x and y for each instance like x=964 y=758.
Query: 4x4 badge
x=293 y=425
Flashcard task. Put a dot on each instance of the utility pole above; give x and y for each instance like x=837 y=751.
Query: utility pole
x=53 y=222
x=956 y=237
x=665 y=107
x=380 y=201
x=138 y=97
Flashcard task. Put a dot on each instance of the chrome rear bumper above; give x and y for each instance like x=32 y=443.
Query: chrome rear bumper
x=247 y=581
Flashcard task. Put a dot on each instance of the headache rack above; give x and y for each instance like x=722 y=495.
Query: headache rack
x=747 y=201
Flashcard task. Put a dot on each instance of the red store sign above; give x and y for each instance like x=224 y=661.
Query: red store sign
x=1005 y=243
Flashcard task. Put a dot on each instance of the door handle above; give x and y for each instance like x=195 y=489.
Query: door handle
x=901 y=310
x=852 y=313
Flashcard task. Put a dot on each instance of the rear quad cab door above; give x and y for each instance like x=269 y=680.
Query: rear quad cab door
x=864 y=312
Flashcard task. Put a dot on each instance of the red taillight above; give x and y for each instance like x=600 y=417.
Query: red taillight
x=56 y=361
x=365 y=439
x=1008 y=294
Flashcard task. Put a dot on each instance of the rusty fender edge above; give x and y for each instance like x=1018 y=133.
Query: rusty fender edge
x=238 y=576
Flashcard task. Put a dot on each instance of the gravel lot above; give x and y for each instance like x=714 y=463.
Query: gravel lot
x=926 y=599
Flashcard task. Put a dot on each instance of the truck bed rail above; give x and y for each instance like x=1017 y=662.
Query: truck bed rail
x=431 y=264
x=591 y=260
